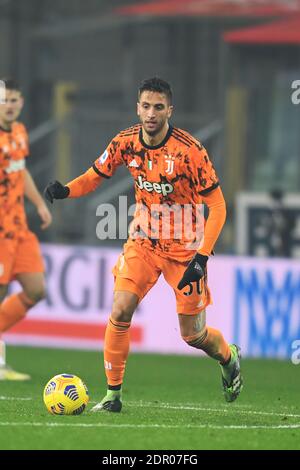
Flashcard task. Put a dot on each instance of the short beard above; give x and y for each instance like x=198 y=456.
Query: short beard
x=10 y=120
x=154 y=133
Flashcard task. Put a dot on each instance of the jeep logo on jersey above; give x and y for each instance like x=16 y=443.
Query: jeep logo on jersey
x=15 y=165
x=160 y=188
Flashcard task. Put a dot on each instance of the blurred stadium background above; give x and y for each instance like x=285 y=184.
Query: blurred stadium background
x=231 y=65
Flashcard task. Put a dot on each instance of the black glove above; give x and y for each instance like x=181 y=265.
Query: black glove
x=55 y=190
x=194 y=272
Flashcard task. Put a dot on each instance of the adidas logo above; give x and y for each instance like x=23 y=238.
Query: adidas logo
x=134 y=163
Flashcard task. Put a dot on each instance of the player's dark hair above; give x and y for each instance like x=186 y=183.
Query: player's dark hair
x=158 y=85
x=11 y=84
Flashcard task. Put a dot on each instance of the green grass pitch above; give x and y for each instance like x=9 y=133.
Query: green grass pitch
x=169 y=402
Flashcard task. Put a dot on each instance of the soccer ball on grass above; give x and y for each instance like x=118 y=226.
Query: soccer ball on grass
x=66 y=394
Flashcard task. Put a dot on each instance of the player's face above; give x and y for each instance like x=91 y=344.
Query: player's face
x=154 y=111
x=11 y=109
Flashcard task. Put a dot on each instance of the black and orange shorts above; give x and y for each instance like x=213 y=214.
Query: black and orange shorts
x=22 y=255
x=138 y=268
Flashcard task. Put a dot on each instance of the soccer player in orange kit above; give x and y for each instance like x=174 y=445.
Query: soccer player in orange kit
x=170 y=169
x=20 y=256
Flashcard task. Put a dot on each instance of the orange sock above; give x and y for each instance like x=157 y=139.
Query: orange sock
x=13 y=309
x=116 y=349
x=212 y=342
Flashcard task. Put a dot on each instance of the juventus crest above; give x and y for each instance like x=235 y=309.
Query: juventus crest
x=170 y=164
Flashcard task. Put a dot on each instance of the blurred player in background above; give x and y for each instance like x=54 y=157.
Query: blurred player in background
x=20 y=256
x=170 y=168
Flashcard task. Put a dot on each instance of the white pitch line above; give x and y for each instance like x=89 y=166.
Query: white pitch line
x=15 y=398
x=178 y=406
x=154 y=426
x=184 y=407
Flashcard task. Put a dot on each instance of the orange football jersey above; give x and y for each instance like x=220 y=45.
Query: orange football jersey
x=170 y=179
x=14 y=149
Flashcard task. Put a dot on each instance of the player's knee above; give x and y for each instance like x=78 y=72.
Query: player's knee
x=196 y=340
x=124 y=305
x=122 y=313
x=36 y=294
x=122 y=310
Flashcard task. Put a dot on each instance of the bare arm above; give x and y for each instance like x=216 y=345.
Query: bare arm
x=34 y=196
